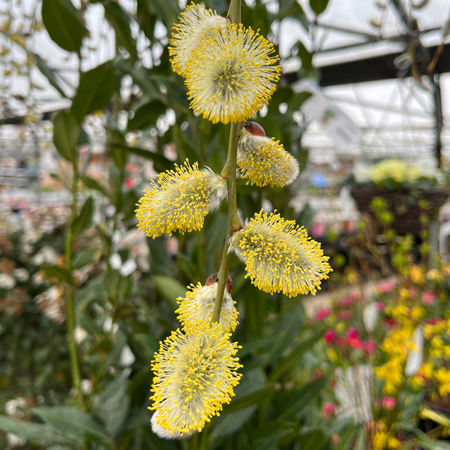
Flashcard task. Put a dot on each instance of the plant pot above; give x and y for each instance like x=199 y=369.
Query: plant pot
x=403 y=203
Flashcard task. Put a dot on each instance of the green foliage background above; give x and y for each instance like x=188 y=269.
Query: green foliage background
x=277 y=403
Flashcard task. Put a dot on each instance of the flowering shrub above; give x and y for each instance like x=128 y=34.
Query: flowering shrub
x=397 y=174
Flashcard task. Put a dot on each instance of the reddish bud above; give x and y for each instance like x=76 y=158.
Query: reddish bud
x=213 y=278
x=254 y=129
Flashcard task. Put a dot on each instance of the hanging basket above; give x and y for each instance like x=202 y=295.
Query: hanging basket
x=404 y=203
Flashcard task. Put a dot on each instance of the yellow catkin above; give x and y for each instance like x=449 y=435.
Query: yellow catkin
x=198 y=307
x=180 y=201
x=264 y=161
x=279 y=256
x=231 y=75
x=195 y=21
x=194 y=375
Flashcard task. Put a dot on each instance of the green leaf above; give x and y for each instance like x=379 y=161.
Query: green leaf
x=299 y=399
x=149 y=344
x=297 y=100
x=291 y=8
x=260 y=20
x=292 y=360
x=62 y=21
x=305 y=56
x=226 y=425
x=270 y=441
x=114 y=403
x=83 y=258
x=66 y=131
x=94 y=91
x=94 y=184
x=84 y=219
x=314 y=440
x=123 y=310
x=62 y=274
x=50 y=74
x=34 y=432
x=249 y=399
x=318 y=6
x=119 y=157
x=146 y=115
x=176 y=95
x=74 y=423
x=185 y=147
x=256 y=344
x=285 y=330
x=169 y=288
x=111 y=283
x=160 y=163
x=119 y=20
x=156 y=443
x=281 y=95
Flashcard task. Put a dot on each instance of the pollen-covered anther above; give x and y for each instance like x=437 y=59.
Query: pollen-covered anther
x=264 y=161
x=232 y=74
x=195 y=21
x=194 y=375
x=180 y=200
x=279 y=256
x=198 y=305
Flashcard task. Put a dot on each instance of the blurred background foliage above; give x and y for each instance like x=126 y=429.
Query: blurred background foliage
x=93 y=276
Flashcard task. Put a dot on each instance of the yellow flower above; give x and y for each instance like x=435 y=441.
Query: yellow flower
x=194 y=375
x=417 y=312
x=331 y=353
x=264 y=161
x=279 y=256
x=195 y=21
x=180 y=201
x=416 y=274
x=198 y=306
x=340 y=327
x=231 y=74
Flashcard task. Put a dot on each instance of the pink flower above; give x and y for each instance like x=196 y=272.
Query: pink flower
x=386 y=287
x=388 y=403
x=428 y=297
x=352 y=333
x=345 y=315
x=318 y=374
x=347 y=301
x=329 y=409
x=330 y=336
x=355 y=342
x=323 y=313
x=413 y=292
x=336 y=439
x=370 y=347
x=379 y=306
x=129 y=183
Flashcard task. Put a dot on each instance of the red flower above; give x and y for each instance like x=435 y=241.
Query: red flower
x=323 y=313
x=329 y=409
x=330 y=336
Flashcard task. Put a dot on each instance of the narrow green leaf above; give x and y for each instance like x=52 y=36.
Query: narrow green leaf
x=249 y=400
x=256 y=344
x=155 y=442
x=184 y=146
x=50 y=74
x=318 y=6
x=94 y=91
x=119 y=20
x=66 y=131
x=84 y=219
x=270 y=441
x=146 y=115
x=292 y=360
x=305 y=56
x=437 y=417
x=281 y=95
x=62 y=21
x=313 y=440
x=62 y=274
x=160 y=163
x=170 y=289
x=74 y=423
x=299 y=399
x=149 y=344
x=83 y=258
x=34 y=432
x=94 y=184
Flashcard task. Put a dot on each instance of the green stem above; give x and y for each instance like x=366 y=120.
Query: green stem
x=229 y=172
x=76 y=377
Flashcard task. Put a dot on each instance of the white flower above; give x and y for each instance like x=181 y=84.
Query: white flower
x=45 y=256
x=21 y=275
x=427 y=166
x=79 y=334
x=361 y=173
x=370 y=317
x=6 y=281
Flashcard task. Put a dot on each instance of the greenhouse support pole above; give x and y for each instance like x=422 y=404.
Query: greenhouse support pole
x=438 y=116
